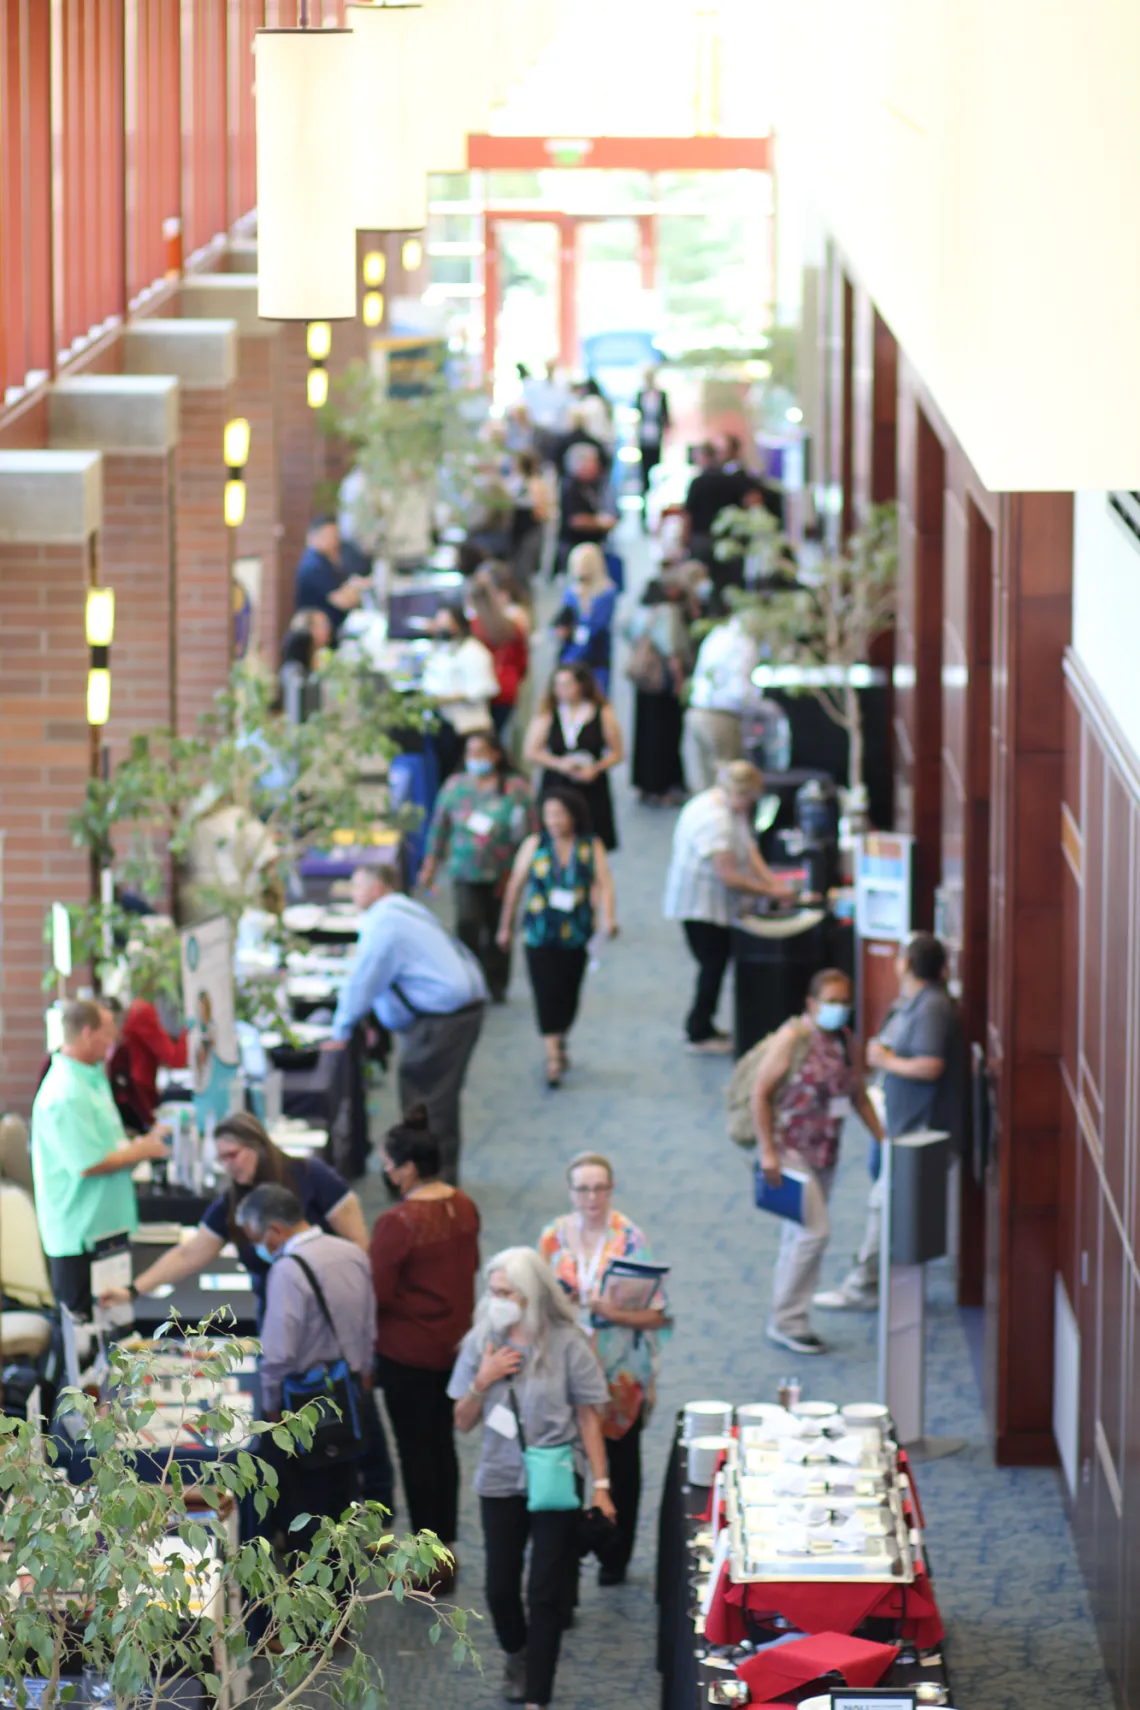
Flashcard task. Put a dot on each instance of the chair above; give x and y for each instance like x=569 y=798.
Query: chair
x=15 y=1152
x=23 y=1275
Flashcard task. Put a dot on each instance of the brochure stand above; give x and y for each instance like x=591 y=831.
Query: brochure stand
x=914 y=1176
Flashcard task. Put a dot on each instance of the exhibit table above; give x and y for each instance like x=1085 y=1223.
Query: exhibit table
x=816 y=1624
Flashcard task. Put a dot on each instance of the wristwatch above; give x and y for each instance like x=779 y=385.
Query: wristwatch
x=132 y=1290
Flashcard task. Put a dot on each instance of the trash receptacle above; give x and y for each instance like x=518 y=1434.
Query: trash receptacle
x=775 y=958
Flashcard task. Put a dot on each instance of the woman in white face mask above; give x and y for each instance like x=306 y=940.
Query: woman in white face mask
x=528 y=1373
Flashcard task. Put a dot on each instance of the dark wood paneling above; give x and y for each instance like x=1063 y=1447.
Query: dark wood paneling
x=1068 y=1246
x=1090 y=969
x=1087 y=1305
x=1119 y=819
x=884 y=397
x=1113 y=1361
x=1070 y=981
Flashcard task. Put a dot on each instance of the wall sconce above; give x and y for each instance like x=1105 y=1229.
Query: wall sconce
x=374 y=267
x=100 y=630
x=235 y=449
x=318 y=344
x=372 y=311
x=412 y=254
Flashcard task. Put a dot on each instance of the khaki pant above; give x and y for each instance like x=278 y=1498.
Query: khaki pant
x=710 y=741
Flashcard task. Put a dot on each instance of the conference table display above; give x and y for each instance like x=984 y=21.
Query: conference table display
x=791 y=1559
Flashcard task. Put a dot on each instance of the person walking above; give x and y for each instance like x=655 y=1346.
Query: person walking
x=807 y=1084
x=459 y=679
x=420 y=984
x=502 y=623
x=576 y=738
x=715 y=863
x=720 y=694
x=81 y=1157
x=533 y=509
x=583 y=516
x=318 y=1309
x=660 y=654
x=585 y=623
x=569 y=886
x=578 y=1248
x=321 y=582
x=528 y=1375
x=918 y=1060
x=481 y=816
x=425 y=1257
x=653 y=424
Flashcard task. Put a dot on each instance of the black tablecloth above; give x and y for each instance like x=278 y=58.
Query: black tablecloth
x=190 y=1302
x=331 y=1095
x=173 y=1205
x=679 y=1647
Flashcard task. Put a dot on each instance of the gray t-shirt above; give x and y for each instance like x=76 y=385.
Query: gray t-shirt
x=925 y=1025
x=571 y=1377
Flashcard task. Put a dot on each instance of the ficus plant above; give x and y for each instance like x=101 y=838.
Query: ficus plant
x=136 y=1573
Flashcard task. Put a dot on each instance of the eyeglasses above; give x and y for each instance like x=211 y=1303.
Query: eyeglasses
x=591 y=1188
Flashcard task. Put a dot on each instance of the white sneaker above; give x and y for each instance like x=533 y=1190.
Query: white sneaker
x=716 y=1045
x=847 y=1299
x=802 y=1342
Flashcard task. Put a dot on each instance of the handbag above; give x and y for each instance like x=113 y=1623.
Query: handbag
x=551 y=1476
x=334 y=1387
x=645 y=667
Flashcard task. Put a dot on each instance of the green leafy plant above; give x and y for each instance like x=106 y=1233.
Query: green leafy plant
x=751 y=532
x=145 y=1582
x=430 y=444
x=825 y=629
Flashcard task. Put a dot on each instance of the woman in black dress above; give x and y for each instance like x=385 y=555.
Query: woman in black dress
x=576 y=739
x=659 y=659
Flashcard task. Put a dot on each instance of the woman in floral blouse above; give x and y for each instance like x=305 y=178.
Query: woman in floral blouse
x=578 y=1248
x=481 y=816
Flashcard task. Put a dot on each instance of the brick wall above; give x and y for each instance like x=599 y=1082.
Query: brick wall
x=137 y=561
x=255 y=398
x=202 y=554
x=44 y=753
x=301 y=457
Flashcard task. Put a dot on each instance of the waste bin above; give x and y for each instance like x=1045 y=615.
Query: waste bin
x=775 y=959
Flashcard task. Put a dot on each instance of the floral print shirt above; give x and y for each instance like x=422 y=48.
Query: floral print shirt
x=812 y=1106
x=629 y=1357
x=476 y=829
x=559 y=906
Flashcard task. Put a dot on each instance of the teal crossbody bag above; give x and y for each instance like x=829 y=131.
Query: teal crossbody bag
x=551 y=1476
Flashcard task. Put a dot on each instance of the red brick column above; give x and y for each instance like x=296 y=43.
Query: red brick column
x=138 y=563
x=44 y=748
x=202 y=606
x=255 y=398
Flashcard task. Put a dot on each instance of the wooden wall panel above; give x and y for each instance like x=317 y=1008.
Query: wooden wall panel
x=1116 y=1027
x=1091 y=966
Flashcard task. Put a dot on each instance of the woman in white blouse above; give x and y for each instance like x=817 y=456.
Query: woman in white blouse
x=459 y=677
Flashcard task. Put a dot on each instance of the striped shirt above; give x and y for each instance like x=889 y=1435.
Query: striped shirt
x=706 y=828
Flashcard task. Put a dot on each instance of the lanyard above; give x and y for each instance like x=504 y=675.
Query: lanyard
x=588 y=1273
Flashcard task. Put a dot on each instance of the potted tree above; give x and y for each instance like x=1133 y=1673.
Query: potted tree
x=820 y=635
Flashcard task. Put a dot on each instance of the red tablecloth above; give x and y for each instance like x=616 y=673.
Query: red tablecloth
x=782 y=1668
x=825 y=1608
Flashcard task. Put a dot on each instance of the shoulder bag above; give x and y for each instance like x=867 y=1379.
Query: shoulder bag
x=340 y=1433
x=551 y=1476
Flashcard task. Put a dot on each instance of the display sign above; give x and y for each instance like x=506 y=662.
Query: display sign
x=884 y=885
x=872 y=1698
x=61 y=940
x=208 y=998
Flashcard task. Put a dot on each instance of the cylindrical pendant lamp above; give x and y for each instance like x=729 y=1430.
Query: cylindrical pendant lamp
x=306 y=232
x=385 y=167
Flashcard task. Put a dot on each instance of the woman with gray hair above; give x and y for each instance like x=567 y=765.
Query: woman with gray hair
x=528 y=1373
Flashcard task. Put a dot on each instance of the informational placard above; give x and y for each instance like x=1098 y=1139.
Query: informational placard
x=111 y=1268
x=61 y=940
x=872 y=1698
x=208 y=998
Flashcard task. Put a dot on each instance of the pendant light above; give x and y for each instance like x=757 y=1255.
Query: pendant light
x=389 y=85
x=306 y=232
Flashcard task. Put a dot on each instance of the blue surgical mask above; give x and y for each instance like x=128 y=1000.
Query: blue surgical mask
x=832 y=1016
x=480 y=768
x=263 y=1253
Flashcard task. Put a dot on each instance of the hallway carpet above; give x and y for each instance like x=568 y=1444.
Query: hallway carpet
x=1020 y=1635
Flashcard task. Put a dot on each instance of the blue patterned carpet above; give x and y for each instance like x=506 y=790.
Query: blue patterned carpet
x=1020 y=1633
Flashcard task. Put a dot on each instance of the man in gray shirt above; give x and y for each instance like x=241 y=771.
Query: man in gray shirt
x=296 y=1335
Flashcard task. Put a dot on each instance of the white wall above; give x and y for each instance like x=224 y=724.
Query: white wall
x=1106 y=608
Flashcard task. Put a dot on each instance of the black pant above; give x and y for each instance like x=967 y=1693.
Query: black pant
x=377 y=1479
x=477 y=910
x=556 y=976
x=421 y=1415
x=434 y=1053
x=549 y=1592
x=71 y=1282
x=712 y=947
x=623 y=1457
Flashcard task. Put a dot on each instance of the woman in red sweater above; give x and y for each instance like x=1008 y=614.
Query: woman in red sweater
x=425 y=1257
x=148 y=1047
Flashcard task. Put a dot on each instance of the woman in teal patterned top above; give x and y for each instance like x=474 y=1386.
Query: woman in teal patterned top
x=481 y=816
x=568 y=886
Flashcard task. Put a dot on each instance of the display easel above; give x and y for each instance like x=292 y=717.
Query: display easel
x=913 y=1176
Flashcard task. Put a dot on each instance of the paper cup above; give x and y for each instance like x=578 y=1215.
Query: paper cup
x=760 y=1413
x=704 y=1458
x=867 y=1415
x=702 y=1417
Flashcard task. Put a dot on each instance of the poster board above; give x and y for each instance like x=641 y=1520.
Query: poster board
x=208 y=997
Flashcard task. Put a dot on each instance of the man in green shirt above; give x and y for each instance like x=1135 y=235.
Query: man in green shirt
x=81 y=1158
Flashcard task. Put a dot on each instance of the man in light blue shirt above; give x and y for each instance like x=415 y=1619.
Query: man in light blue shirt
x=420 y=983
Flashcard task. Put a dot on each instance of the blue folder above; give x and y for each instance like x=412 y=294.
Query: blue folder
x=787 y=1200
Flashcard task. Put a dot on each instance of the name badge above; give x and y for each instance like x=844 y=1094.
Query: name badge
x=502 y=1420
x=563 y=901
x=480 y=824
x=582 y=635
x=839 y=1109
